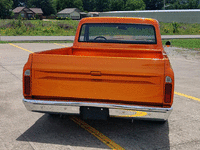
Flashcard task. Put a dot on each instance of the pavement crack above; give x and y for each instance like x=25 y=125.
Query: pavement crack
x=10 y=72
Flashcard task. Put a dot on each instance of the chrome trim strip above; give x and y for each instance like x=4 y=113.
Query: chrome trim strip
x=117 y=110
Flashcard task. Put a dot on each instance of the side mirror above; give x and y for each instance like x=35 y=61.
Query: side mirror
x=168 y=43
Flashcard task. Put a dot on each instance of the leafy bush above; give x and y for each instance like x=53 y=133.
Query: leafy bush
x=180 y=28
x=19 y=22
x=33 y=18
x=38 y=27
x=65 y=26
x=58 y=18
x=29 y=24
x=166 y=30
x=175 y=27
x=11 y=24
x=67 y=18
x=62 y=18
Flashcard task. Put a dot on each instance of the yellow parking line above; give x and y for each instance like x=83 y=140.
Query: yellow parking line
x=21 y=48
x=97 y=134
x=61 y=45
x=187 y=96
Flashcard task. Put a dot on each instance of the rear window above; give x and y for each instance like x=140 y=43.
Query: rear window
x=118 y=33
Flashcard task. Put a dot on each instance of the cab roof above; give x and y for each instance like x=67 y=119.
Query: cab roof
x=119 y=20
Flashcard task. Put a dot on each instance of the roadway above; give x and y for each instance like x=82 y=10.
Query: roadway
x=21 y=129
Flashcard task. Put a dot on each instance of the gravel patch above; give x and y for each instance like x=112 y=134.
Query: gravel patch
x=189 y=54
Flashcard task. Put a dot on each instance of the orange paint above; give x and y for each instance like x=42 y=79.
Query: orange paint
x=102 y=72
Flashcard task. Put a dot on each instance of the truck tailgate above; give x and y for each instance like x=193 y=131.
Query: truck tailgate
x=100 y=78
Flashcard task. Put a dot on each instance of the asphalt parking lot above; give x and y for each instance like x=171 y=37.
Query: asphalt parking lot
x=21 y=129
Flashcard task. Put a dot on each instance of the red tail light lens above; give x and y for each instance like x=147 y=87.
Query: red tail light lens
x=168 y=93
x=27 y=85
x=27 y=82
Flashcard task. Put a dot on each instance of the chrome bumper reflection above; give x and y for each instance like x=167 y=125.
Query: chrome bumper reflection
x=70 y=107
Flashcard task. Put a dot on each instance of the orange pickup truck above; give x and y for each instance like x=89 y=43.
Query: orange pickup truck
x=116 y=67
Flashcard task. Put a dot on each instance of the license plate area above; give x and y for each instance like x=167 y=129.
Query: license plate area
x=94 y=113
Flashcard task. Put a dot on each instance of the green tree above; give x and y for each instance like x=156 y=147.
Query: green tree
x=135 y=5
x=54 y=5
x=5 y=7
x=47 y=6
x=62 y=4
x=78 y=4
x=194 y=4
x=18 y=3
x=181 y=4
x=102 y=5
x=116 y=5
x=154 y=4
x=89 y=5
x=59 y=5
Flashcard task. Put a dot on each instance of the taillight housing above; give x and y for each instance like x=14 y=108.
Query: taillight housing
x=168 y=90
x=168 y=93
x=27 y=82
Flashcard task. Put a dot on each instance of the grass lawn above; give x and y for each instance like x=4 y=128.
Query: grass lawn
x=10 y=27
x=3 y=42
x=38 y=27
x=185 y=43
x=182 y=29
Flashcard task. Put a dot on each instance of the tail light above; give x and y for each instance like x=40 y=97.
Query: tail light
x=168 y=89
x=27 y=81
x=168 y=93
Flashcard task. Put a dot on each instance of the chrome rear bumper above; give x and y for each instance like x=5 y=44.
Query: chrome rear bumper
x=115 y=110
